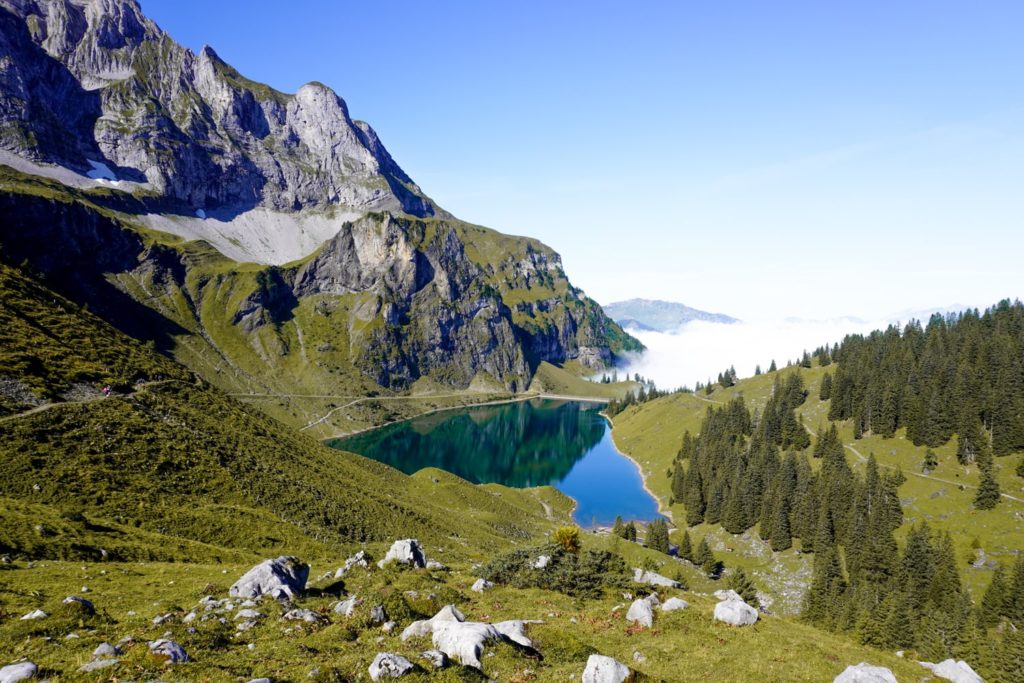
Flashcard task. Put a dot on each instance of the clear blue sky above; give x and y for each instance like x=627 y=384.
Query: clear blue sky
x=764 y=159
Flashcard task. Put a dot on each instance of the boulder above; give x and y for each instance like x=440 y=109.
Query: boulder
x=728 y=594
x=407 y=551
x=21 y=671
x=284 y=577
x=168 y=650
x=601 y=669
x=515 y=631
x=734 y=611
x=360 y=559
x=480 y=585
x=865 y=673
x=436 y=566
x=35 y=614
x=248 y=614
x=437 y=659
x=82 y=604
x=308 y=616
x=654 y=579
x=98 y=664
x=640 y=612
x=347 y=607
x=377 y=615
x=953 y=670
x=464 y=641
x=673 y=604
x=425 y=627
x=542 y=562
x=105 y=650
x=386 y=665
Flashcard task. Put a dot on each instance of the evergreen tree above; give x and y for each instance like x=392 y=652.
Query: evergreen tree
x=757 y=370
x=693 y=497
x=657 y=536
x=773 y=367
x=782 y=538
x=987 y=496
x=930 y=461
x=619 y=528
x=996 y=601
x=706 y=560
x=744 y=587
x=1020 y=467
x=686 y=547
x=825 y=392
x=629 y=533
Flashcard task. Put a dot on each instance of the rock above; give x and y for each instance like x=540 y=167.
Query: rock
x=673 y=604
x=436 y=566
x=261 y=680
x=35 y=614
x=639 y=657
x=953 y=670
x=98 y=664
x=437 y=659
x=386 y=665
x=640 y=612
x=729 y=594
x=653 y=600
x=389 y=626
x=168 y=650
x=6 y=559
x=308 y=616
x=84 y=604
x=21 y=671
x=542 y=562
x=360 y=559
x=347 y=607
x=407 y=551
x=189 y=618
x=601 y=669
x=248 y=614
x=284 y=577
x=162 y=618
x=865 y=673
x=480 y=585
x=515 y=630
x=464 y=641
x=377 y=615
x=106 y=650
x=734 y=611
x=654 y=579
x=418 y=629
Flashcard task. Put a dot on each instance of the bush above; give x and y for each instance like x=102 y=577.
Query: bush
x=582 y=575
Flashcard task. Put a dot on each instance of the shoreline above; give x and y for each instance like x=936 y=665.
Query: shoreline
x=662 y=510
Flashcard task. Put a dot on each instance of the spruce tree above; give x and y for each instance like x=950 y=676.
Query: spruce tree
x=706 y=560
x=987 y=496
x=744 y=587
x=996 y=600
x=629 y=533
x=686 y=547
x=773 y=367
x=782 y=537
x=657 y=536
x=825 y=392
x=619 y=528
x=930 y=461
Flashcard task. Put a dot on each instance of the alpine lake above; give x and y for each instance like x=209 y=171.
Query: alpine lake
x=565 y=444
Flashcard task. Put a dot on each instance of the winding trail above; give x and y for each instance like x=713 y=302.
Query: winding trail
x=63 y=404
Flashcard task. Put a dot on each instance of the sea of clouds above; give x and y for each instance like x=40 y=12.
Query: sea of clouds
x=698 y=351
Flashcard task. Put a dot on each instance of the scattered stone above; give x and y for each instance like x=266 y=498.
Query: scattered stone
x=98 y=664
x=673 y=604
x=347 y=607
x=418 y=629
x=640 y=612
x=248 y=614
x=542 y=562
x=246 y=625
x=72 y=636
x=953 y=670
x=105 y=650
x=169 y=650
x=162 y=618
x=437 y=659
x=407 y=551
x=515 y=630
x=653 y=579
x=35 y=614
x=865 y=673
x=282 y=578
x=308 y=616
x=639 y=657
x=464 y=641
x=389 y=626
x=82 y=602
x=480 y=585
x=386 y=665
x=84 y=589
x=6 y=559
x=735 y=612
x=436 y=566
x=377 y=615
x=601 y=669
x=360 y=559
x=21 y=671
x=261 y=680
x=728 y=594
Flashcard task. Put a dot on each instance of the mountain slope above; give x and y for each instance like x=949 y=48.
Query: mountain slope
x=659 y=316
x=266 y=240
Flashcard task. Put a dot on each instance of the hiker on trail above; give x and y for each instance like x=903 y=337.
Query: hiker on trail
x=106 y=390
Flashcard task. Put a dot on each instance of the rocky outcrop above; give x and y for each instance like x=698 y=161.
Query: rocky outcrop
x=386 y=665
x=284 y=577
x=21 y=671
x=641 y=613
x=865 y=673
x=653 y=579
x=407 y=551
x=733 y=610
x=953 y=670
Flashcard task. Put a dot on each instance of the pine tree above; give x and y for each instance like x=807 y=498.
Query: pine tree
x=825 y=599
x=825 y=392
x=619 y=528
x=930 y=461
x=686 y=547
x=629 y=533
x=657 y=536
x=773 y=367
x=988 y=491
x=744 y=587
x=782 y=538
x=705 y=559
x=693 y=497
x=995 y=602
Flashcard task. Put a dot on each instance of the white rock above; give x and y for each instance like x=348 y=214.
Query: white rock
x=248 y=614
x=74 y=599
x=418 y=629
x=437 y=659
x=728 y=594
x=953 y=670
x=735 y=612
x=673 y=604
x=389 y=626
x=515 y=630
x=105 y=650
x=407 y=551
x=640 y=612
x=480 y=585
x=347 y=607
x=653 y=579
x=601 y=669
x=464 y=641
x=35 y=614
x=170 y=650
x=386 y=665
x=305 y=615
x=360 y=559
x=436 y=566
x=282 y=577
x=378 y=615
x=21 y=671
x=865 y=673
x=98 y=664
x=542 y=562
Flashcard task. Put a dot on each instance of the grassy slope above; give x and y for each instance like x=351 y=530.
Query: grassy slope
x=178 y=457
x=652 y=433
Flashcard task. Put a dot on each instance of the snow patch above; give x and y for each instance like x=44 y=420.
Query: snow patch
x=100 y=171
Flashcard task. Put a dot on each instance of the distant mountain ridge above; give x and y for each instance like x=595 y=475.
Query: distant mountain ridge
x=652 y=315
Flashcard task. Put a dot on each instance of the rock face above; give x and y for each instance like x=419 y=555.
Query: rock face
x=386 y=665
x=407 y=551
x=601 y=669
x=953 y=670
x=17 y=672
x=733 y=610
x=95 y=96
x=284 y=577
x=865 y=673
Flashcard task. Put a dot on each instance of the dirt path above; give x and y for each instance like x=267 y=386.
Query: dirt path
x=60 y=404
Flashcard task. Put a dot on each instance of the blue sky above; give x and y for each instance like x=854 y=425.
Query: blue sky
x=761 y=159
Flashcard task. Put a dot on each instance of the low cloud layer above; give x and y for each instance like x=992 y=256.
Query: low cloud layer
x=699 y=351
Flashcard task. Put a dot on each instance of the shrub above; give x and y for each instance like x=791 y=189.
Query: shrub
x=582 y=575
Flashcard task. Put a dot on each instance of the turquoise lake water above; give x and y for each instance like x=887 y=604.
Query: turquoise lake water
x=565 y=444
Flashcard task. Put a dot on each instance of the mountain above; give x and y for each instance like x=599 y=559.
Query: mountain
x=266 y=240
x=649 y=315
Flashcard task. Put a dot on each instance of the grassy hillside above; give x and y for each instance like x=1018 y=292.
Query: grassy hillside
x=652 y=432
x=169 y=455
